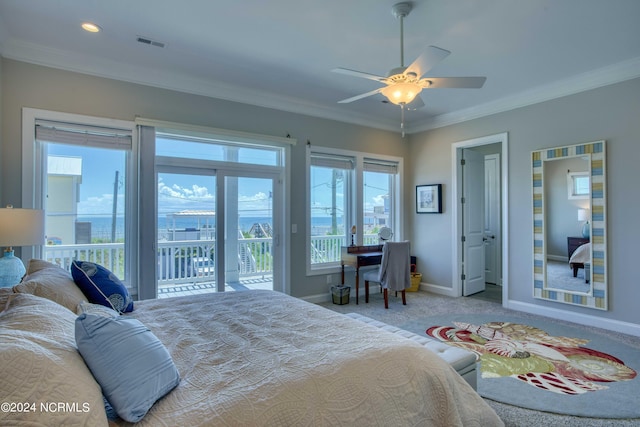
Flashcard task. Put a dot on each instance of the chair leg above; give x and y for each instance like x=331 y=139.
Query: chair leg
x=366 y=291
x=386 y=298
x=404 y=298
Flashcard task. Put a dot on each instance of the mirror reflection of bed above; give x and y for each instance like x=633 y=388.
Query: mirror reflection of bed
x=565 y=253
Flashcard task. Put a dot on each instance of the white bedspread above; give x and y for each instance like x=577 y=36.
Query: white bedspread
x=582 y=254
x=262 y=358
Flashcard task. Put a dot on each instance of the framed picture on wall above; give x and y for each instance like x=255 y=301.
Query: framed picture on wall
x=429 y=198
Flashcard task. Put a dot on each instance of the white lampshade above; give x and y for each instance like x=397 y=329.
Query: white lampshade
x=21 y=227
x=18 y=227
x=583 y=214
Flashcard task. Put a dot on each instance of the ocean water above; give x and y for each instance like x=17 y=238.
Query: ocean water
x=101 y=225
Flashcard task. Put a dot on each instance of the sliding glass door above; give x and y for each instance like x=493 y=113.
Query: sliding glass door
x=249 y=228
x=217 y=231
x=186 y=231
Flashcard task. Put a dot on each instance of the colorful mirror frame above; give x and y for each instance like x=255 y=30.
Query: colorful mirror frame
x=597 y=296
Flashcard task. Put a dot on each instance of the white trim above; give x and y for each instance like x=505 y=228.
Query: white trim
x=438 y=289
x=456 y=274
x=579 y=318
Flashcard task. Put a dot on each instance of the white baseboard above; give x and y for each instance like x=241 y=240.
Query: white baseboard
x=436 y=289
x=579 y=318
x=318 y=298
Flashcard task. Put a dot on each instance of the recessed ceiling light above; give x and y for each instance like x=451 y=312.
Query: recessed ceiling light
x=91 y=27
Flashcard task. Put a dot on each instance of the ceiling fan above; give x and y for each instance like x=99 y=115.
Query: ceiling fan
x=404 y=84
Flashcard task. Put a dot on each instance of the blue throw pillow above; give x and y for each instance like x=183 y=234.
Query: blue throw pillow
x=129 y=362
x=101 y=286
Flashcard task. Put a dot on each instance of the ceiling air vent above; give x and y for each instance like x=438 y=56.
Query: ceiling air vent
x=146 y=40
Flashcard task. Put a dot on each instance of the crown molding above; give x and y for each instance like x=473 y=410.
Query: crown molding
x=604 y=76
x=97 y=66
x=180 y=82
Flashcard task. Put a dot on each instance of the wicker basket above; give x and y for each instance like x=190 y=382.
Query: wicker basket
x=416 y=278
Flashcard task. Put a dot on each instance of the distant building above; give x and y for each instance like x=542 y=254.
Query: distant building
x=64 y=176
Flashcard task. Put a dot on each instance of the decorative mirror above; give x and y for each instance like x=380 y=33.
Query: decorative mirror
x=569 y=227
x=385 y=234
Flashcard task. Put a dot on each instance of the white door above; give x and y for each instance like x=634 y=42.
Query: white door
x=473 y=222
x=492 y=218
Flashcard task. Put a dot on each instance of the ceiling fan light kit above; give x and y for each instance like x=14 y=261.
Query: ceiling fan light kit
x=401 y=93
x=404 y=84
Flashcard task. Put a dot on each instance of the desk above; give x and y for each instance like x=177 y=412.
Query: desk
x=360 y=256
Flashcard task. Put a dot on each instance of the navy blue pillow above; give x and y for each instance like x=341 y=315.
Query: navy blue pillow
x=101 y=286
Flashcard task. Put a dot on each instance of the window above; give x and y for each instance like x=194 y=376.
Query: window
x=330 y=178
x=346 y=190
x=83 y=186
x=378 y=181
x=220 y=217
x=192 y=147
x=578 y=185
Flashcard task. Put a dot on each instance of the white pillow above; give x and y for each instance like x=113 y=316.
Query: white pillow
x=52 y=283
x=40 y=364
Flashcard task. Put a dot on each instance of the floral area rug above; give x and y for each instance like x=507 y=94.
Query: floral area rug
x=545 y=366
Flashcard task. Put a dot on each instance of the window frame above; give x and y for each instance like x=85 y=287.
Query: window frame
x=33 y=156
x=356 y=200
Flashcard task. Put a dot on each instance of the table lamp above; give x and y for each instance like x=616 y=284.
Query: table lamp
x=18 y=227
x=583 y=215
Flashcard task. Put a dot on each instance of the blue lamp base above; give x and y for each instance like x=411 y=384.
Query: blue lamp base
x=586 y=230
x=11 y=270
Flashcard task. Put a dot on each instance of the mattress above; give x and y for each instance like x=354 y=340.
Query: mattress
x=264 y=358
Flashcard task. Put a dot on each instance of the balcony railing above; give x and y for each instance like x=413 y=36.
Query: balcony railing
x=191 y=261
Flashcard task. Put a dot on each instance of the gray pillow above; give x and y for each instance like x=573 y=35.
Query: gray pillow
x=129 y=362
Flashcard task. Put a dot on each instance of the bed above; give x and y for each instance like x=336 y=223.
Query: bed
x=580 y=258
x=249 y=358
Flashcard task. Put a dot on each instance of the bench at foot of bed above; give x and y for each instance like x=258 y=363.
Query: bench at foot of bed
x=463 y=361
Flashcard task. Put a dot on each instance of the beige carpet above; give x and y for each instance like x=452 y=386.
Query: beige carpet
x=421 y=304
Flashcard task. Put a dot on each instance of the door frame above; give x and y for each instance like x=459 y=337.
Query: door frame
x=456 y=191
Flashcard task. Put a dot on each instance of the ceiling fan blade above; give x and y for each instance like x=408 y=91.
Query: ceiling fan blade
x=361 y=74
x=427 y=60
x=456 y=82
x=363 y=95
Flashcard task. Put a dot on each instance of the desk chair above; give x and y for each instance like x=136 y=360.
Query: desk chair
x=394 y=272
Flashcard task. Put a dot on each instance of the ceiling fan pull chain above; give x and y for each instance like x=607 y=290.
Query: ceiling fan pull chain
x=402 y=119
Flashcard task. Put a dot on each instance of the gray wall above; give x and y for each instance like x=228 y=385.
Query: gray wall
x=609 y=113
x=27 y=85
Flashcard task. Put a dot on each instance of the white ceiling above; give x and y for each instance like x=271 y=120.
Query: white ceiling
x=279 y=53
